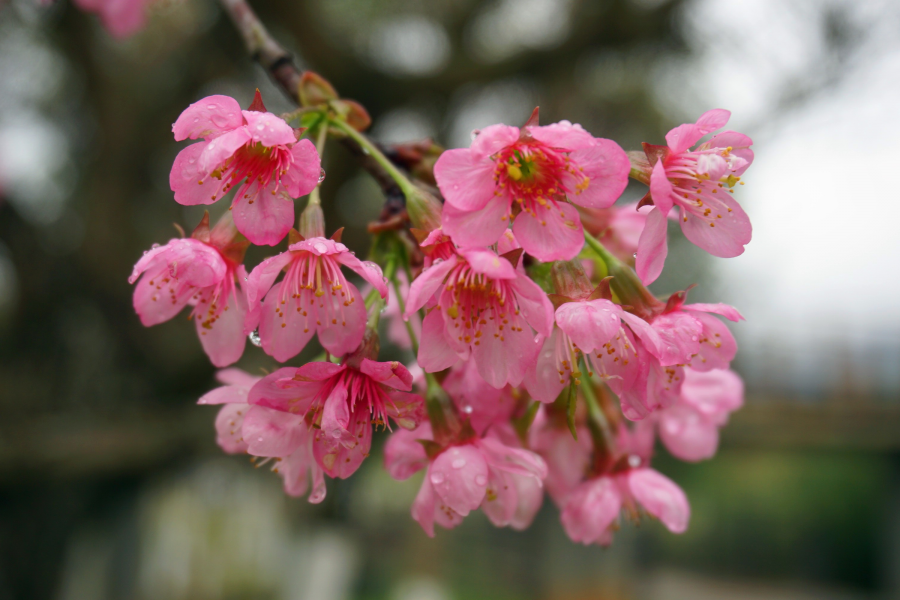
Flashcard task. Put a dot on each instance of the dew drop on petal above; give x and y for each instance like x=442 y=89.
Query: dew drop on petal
x=459 y=463
x=437 y=478
x=321 y=175
x=254 y=338
x=634 y=461
x=467 y=409
x=694 y=338
x=481 y=480
x=320 y=247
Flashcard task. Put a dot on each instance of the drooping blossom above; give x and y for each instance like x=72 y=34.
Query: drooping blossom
x=313 y=297
x=699 y=182
x=342 y=401
x=504 y=481
x=485 y=309
x=121 y=18
x=251 y=150
x=296 y=466
x=690 y=427
x=203 y=271
x=567 y=458
x=527 y=175
x=591 y=509
x=483 y=404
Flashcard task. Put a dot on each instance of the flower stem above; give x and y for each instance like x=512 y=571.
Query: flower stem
x=321 y=136
x=601 y=432
x=625 y=282
x=372 y=150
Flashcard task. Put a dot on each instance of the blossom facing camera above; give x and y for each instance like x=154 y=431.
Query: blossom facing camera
x=527 y=176
x=700 y=183
x=253 y=151
x=314 y=296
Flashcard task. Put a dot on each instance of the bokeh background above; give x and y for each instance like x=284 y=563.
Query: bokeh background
x=111 y=486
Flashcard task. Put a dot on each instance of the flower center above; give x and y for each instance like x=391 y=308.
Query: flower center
x=262 y=167
x=479 y=305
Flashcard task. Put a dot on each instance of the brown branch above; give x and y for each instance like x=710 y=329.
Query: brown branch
x=279 y=64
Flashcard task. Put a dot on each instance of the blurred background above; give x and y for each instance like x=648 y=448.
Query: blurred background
x=111 y=486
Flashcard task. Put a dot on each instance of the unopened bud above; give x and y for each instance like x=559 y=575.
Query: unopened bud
x=570 y=280
x=424 y=210
x=312 y=221
x=315 y=90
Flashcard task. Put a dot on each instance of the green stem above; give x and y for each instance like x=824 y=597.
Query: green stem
x=597 y=421
x=322 y=135
x=366 y=144
x=625 y=283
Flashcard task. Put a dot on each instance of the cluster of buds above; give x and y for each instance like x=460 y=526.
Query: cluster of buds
x=542 y=361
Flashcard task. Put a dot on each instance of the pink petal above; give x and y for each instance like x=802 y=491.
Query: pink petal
x=423 y=507
x=652 y=247
x=226 y=394
x=660 y=497
x=486 y=262
x=650 y=338
x=459 y=476
x=474 y=397
x=555 y=235
x=223 y=340
x=563 y=135
x=336 y=413
x=512 y=460
x=534 y=305
x=590 y=510
x=404 y=455
x=303 y=174
x=229 y=424
x=426 y=284
x=342 y=325
x=264 y=275
x=185 y=178
x=466 y=181
x=493 y=139
x=713 y=119
x=619 y=363
x=740 y=147
x=589 y=324
x=405 y=409
x=505 y=356
x=661 y=189
x=236 y=377
x=269 y=130
x=221 y=148
x=607 y=166
x=434 y=352
x=156 y=301
x=123 y=18
x=280 y=391
x=543 y=381
x=713 y=393
x=210 y=116
x=726 y=310
x=268 y=219
x=500 y=499
x=717 y=346
x=683 y=137
x=476 y=228
x=728 y=236
x=336 y=457
x=508 y=243
x=530 y=496
x=391 y=374
x=272 y=432
x=285 y=333
x=366 y=269
x=680 y=336
x=687 y=434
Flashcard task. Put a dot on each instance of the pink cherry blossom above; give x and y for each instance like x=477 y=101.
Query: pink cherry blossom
x=485 y=309
x=527 y=175
x=343 y=400
x=313 y=297
x=699 y=182
x=295 y=468
x=192 y=272
x=599 y=331
x=483 y=404
x=567 y=458
x=690 y=427
x=121 y=18
x=256 y=152
x=504 y=481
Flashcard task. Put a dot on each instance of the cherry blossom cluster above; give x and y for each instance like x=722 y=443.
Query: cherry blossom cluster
x=539 y=360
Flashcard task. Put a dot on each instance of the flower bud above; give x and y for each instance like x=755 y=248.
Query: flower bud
x=315 y=90
x=424 y=210
x=570 y=280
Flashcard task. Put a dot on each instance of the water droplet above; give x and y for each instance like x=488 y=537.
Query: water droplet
x=634 y=461
x=254 y=338
x=694 y=338
x=459 y=463
x=437 y=478
x=468 y=409
x=320 y=247
x=437 y=261
x=481 y=480
x=321 y=175
x=634 y=255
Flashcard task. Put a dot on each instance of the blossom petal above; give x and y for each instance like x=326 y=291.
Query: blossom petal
x=723 y=237
x=660 y=497
x=404 y=455
x=336 y=413
x=590 y=509
x=423 y=507
x=435 y=354
x=426 y=284
x=563 y=135
x=739 y=144
x=556 y=233
x=714 y=394
x=366 y=269
x=687 y=434
x=219 y=149
x=280 y=391
x=272 y=432
x=493 y=139
x=210 y=116
x=466 y=181
x=263 y=218
x=391 y=374
x=661 y=189
x=303 y=174
x=717 y=346
x=606 y=166
x=512 y=460
x=222 y=337
x=269 y=130
x=486 y=262
x=459 y=476
x=236 y=377
x=342 y=318
x=283 y=328
x=726 y=310
x=505 y=355
x=535 y=306
x=679 y=333
x=476 y=228
x=229 y=428
x=652 y=247
x=500 y=498
x=544 y=382
x=192 y=187
x=589 y=324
